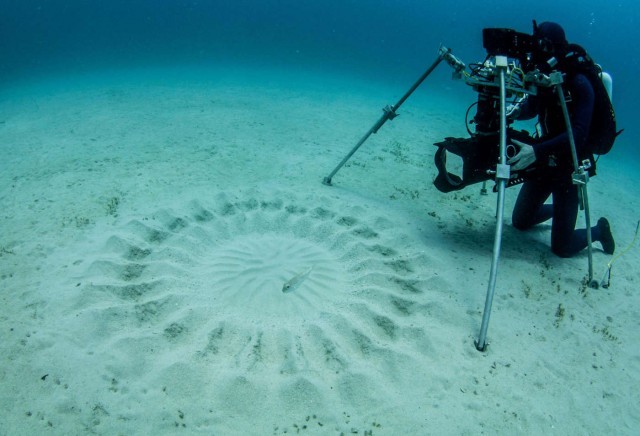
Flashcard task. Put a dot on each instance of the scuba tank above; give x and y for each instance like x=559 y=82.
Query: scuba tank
x=607 y=81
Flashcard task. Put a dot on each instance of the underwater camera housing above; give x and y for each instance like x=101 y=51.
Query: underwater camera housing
x=508 y=42
x=480 y=152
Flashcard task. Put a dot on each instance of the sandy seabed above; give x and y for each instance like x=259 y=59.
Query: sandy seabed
x=151 y=218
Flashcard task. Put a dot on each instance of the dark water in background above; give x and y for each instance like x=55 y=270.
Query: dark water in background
x=391 y=39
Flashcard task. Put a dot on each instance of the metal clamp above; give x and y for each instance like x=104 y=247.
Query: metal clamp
x=581 y=176
x=503 y=171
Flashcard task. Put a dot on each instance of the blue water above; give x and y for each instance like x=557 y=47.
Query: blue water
x=388 y=39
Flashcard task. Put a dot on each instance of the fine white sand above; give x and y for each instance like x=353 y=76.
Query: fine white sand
x=150 y=219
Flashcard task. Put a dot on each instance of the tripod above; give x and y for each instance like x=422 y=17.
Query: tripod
x=496 y=78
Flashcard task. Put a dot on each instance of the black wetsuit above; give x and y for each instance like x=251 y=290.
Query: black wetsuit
x=553 y=152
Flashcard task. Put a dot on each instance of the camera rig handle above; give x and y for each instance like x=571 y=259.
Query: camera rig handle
x=389 y=112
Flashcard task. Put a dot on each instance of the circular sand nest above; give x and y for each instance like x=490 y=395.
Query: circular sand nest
x=304 y=301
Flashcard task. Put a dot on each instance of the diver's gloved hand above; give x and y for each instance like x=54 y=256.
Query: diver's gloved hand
x=524 y=158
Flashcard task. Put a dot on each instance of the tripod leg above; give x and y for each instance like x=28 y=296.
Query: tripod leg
x=587 y=216
x=389 y=113
x=502 y=176
x=387 y=116
x=580 y=177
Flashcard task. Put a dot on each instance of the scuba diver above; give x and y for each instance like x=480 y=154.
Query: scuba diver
x=552 y=151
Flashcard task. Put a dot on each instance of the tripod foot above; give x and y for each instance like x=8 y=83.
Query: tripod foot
x=326 y=181
x=480 y=347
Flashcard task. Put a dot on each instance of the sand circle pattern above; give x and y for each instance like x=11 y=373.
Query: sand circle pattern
x=203 y=286
x=274 y=276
